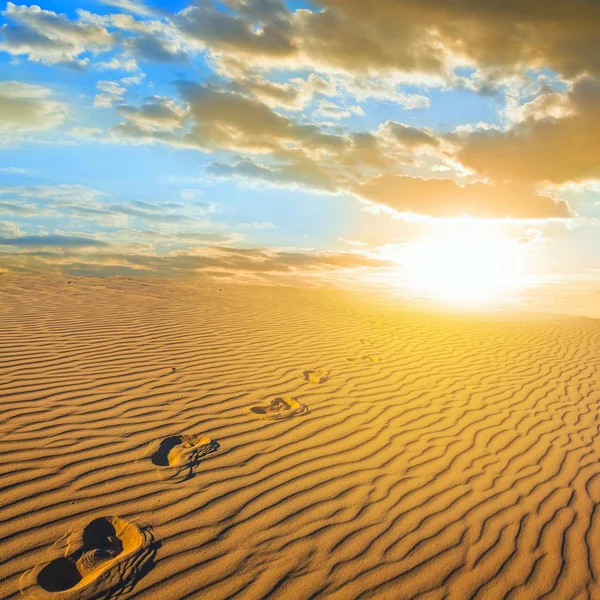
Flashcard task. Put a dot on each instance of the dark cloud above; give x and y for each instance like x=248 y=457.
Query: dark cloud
x=226 y=32
x=155 y=111
x=228 y=120
x=155 y=49
x=538 y=149
x=424 y=36
x=411 y=137
x=416 y=34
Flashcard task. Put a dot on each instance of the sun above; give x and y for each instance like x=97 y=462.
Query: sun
x=465 y=266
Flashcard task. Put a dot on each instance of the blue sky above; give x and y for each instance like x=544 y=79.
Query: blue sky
x=120 y=115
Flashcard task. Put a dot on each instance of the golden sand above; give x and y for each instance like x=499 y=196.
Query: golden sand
x=431 y=456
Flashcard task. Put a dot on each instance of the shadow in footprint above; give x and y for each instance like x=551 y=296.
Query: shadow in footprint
x=160 y=458
x=280 y=408
x=60 y=575
x=179 y=455
x=104 y=559
x=315 y=376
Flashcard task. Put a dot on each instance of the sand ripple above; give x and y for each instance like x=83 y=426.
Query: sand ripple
x=464 y=462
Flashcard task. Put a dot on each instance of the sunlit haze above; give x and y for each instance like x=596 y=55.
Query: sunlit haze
x=466 y=267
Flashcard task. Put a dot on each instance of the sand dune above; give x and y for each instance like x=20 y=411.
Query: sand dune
x=440 y=455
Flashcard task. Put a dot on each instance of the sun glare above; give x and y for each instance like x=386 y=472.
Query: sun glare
x=465 y=267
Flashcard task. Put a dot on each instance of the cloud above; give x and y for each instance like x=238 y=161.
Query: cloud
x=59 y=195
x=298 y=174
x=445 y=198
x=133 y=79
x=100 y=216
x=118 y=63
x=22 y=209
x=410 y=138
x=49 y=241
x=15 y=170
x=225 y=120
x=371 y=164
x=423 y=35
x=250 y=264
x=84 y=203
x=260 y=10
x=417 y=40
x=164 y=213
x=155 y=112
x=224 y=32
x=376 y=48
x=132 y=6
x=547 y=148
x=26 y=107
x=50 y=38
x=331 y=110
x=148 y=47
x=9 y=229
x=291 y=95
x=203 y=237
x=86 y=133
x=257 y=225
x=355 y=53
x=111 y=93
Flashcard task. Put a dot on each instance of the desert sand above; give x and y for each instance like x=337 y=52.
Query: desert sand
x=169 y=439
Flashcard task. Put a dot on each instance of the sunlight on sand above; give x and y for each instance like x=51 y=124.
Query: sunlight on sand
x=168 y=439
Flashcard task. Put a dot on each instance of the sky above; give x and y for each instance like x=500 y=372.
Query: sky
x=336 y=141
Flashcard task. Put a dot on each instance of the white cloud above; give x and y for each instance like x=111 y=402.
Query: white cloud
x=257 y=225
x=331 y=110
x=85 y=132
x=118 y=63
x=112 y=93
x=14 y=170
x=133 y=80
x=50 y=38
x=9 y=229
x=137 y=8
x=26 y=107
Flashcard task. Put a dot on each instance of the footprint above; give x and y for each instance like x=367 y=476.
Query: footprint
x=280 y=408
x=376 y=322
x=367 y=342
x=182 y=453
x=316 y=376
x=107 y=557
x=369 y=358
